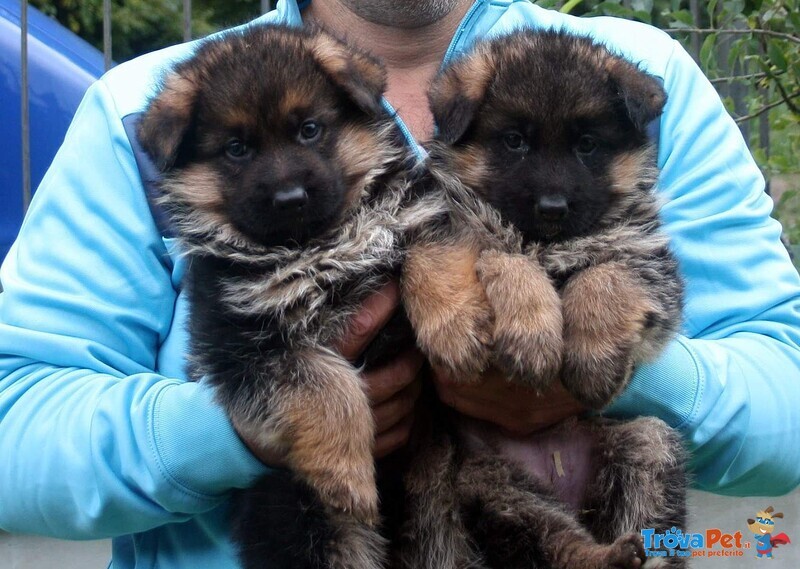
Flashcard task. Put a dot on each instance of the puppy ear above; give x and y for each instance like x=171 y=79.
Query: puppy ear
x=168 y=117
x=777 y=515
x=457 y=92
x=362 y=76
x=642 y=94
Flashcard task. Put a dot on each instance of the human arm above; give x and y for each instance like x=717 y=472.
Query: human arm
x=103 y=441
x=731 y=381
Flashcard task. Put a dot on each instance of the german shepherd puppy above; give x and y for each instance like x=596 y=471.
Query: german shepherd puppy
x=552 y=267
x=285 y=180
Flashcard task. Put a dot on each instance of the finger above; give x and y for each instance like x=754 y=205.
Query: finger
x=365 y=324
x=393 y=439
x=514 y=408
x=384 y=382
x=394 y=410
x=476 y=407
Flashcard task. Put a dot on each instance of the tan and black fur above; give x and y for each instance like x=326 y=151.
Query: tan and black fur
x=552 y=267
x=286 y=182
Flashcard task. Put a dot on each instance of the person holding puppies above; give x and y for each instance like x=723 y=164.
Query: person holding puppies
x=103 y=435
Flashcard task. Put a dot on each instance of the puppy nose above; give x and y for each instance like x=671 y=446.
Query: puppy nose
x=552 y=208
x=291 y=198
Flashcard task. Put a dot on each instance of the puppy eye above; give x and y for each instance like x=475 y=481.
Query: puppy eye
x=515 y=142
x=236 y=148
x=586 y=145
x=310 y=131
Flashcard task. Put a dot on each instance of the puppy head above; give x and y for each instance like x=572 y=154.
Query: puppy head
x=549 y=128
x=267 y=136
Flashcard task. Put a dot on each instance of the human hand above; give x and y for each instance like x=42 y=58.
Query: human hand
x=517 y=409
x=392 y=388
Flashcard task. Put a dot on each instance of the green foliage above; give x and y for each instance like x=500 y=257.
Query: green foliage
x=750 y=50
x=787 y=211
x=139 y=26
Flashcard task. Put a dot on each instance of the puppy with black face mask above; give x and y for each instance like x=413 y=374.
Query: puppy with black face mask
x=550 y=131
x=552 y=267
x=285 y=180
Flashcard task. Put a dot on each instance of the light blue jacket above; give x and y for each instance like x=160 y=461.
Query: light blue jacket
x=100 y=434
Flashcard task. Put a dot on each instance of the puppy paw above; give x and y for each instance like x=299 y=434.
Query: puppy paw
x=350 y=492
x=354 y=546
x=323 y=418
x=528 y=324
x=448 y=309
x=627 y=552
x=606 y=312
x=595 y=378
x=459 y=342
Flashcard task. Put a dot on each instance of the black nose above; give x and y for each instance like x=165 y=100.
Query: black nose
x=552 y=208
x=292 y=198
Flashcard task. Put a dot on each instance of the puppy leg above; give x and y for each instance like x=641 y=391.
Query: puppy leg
x=640 y=480
x=308 y=535
x=318 y=418
x=528 y=325
x=517 y=524
x=433 y=535
x=606 y=312
x=447 y=308
x=278 y=501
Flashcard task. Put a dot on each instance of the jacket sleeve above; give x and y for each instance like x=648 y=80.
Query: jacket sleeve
x=731 y=382
x=93 y=441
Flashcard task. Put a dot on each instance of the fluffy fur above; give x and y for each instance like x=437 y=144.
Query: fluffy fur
x=552 y=267
x=286 y=182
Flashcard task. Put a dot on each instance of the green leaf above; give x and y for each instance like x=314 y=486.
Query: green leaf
x=611 y=8
x=764 y=65
x=712 y=9
x=733 y=6
x=760 y=155
x=734 y=53
x=707 y=51
x=729 y=105
x=794 y=18
x=780 y=162
x=569 y=6
x=683 y=19
x=776 y=56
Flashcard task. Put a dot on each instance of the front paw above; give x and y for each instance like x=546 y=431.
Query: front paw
x=458 y=340
x=448 y=309
x=594 y=378
x=606 y=313
x=627 y=552
x=351 y=491
x=528 y=343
